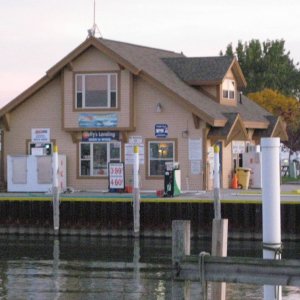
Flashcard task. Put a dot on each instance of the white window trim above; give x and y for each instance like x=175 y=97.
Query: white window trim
x=149 y=154
x=91 y=160
x=227 y=86
x=109 y=90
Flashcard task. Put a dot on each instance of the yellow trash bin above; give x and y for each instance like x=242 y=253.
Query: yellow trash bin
x=243 y=175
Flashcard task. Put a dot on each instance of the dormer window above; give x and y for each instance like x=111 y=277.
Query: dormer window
x=96 y=90
x=228 y=87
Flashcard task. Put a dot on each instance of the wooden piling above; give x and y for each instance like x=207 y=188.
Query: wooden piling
x=219 y=248
x=181 y=246
x=181 y=239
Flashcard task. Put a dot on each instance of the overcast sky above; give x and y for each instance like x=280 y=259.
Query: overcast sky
x=35 y=34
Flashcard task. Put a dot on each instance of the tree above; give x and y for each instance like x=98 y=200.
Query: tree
x=286 y=107
x=267 y=65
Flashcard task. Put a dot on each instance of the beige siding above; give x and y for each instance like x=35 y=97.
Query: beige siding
x=227 y=166
x=146 y=98
x=94 y=61
x=42 y=110
x=53 y=107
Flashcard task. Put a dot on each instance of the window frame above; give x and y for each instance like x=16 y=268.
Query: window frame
x=110 y=90
x=90 y=159
x=148 y=153
x=227 y=92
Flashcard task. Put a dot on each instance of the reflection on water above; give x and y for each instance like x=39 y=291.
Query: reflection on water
x=109 y=268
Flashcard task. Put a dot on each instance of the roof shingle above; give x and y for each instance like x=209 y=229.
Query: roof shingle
x=199 y=68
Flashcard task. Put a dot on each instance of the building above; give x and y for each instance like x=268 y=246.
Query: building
x=106 y=94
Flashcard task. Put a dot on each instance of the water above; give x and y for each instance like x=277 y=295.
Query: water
x=40 y=267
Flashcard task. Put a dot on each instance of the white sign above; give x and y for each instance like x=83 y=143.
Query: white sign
x=129 y=154
x=40 y=135
x=135 y=140
x=195 y=149
x=238 y=147
x=116 y=176
x=195 y=167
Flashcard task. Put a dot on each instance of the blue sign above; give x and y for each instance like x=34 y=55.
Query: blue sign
x=100 y=136
x=161 y=130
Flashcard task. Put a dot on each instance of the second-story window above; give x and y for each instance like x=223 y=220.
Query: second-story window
x=96 y=90
x=228 y=87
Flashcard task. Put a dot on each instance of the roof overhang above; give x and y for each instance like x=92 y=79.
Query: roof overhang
x=92 y=42
x=233 y=130
x=237 y=71
x=182 y=101
x=67 y=62
x=276 y=128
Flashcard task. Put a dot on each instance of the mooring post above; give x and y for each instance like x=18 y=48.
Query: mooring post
x=136 y=192
x=136 y=261
x=220 y=228
x=271 y=207
x=55 y=190
x=181 y=239
x=217 y=202
x=181 y=246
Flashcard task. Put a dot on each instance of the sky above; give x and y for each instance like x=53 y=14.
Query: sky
x=36 y=34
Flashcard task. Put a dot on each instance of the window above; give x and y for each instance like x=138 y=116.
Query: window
x=228 y=89
x=94 y=157
x=158 y=154
x=96 y=90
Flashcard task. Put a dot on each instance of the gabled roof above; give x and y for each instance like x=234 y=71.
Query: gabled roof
x=156 y=66
x=233 y=130
x=276 y=128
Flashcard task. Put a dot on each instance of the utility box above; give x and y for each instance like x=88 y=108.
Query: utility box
x=252 y=160
x=172 y=179
x=29 y=173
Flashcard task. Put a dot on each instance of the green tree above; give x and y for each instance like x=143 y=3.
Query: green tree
x=267 y=65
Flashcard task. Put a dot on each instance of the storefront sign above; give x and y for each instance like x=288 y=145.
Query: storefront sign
x=88 y=120
x=116 y=176
x=40 y=135
x=161 y=130
x=100 y=136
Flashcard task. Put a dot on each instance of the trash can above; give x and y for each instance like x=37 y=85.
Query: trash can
x=243 y=175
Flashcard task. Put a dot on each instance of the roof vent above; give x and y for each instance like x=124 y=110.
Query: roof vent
x=241 y=94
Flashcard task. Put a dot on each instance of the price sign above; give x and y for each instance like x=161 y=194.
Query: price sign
x=116 y=176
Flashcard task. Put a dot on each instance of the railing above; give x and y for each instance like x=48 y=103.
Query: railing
x=248 y=270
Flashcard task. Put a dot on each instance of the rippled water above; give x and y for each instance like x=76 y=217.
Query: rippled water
x=108 y=268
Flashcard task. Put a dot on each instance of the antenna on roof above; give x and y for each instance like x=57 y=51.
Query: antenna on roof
x=94 y=30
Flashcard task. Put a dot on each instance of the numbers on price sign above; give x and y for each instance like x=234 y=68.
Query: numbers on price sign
x=116 y=170
x=116 y=176
x=116 y=182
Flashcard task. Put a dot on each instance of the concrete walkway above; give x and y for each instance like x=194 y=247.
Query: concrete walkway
x=290 y=193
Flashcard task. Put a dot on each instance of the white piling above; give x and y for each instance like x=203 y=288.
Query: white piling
x=55 y=190
x=271 y=207
x=219 y=228
x=217 y=204
x=136 y=192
